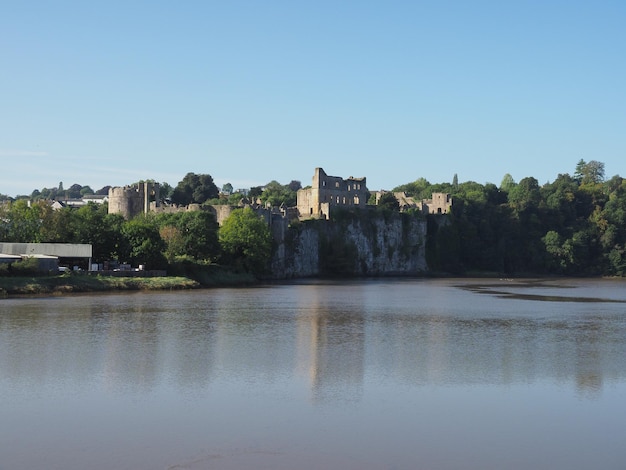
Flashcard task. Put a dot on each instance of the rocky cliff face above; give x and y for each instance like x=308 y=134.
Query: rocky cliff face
x=353 y=244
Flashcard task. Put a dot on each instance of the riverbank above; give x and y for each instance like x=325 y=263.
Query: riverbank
x=65 y=284
x=80 y=283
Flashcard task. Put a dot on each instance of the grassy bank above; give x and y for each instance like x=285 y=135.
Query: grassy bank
x=183 y=276
x=25 y=278
x=82 y=283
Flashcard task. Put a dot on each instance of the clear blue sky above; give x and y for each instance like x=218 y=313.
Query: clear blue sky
x=112 y=92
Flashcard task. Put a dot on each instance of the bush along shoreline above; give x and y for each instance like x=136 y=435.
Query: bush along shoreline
x=68 y=283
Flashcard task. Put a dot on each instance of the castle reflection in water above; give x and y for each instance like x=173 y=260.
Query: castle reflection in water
x=329 y=338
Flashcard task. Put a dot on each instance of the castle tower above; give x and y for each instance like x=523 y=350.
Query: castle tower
x=133 y=200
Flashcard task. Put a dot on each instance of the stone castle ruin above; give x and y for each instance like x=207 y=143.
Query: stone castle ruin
x=440 y=203
x=134 y=200
x=330 y=191
x=314 y=202
x=374 y=245
x=142 y=198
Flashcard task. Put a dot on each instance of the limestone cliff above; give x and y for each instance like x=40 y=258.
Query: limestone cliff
x=361 y=243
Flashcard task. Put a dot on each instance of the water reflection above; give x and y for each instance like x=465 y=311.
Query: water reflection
x=368 y=374
x=331 y=336
x=331 y=345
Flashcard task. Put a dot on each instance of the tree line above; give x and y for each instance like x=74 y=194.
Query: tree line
x=156 y=240
x=192 y=189
x=575 y=225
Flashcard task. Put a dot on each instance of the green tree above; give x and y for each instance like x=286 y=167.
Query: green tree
x=294 y=185
x=560 y=202
x=246 y=240
x=525 y=195
x=85 y=190
x=94 y=225
x=60 y=226
x=23 y=221
x=617 y=261
x=200 y=234
x=388 y=202
x=591 y=172
x=560 y=254
x=191 y=233
x=227 y=189
x=174 y=243
x=194 y=189
x=419 y=189
x=104 y=190
x=255 y=192
x=144 y=243
x=507 y=183
x=165 y=191
x=443 y=246
x=234 y=199
x=277 y=194
x=73 y=192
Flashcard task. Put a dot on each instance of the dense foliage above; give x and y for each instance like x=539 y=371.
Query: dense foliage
x=154 y=240
x=194 y=189
x=21 y=222
x=192 y=234
x=575 y=225
x=276 y=194
x=246 y=240
x=175 y=240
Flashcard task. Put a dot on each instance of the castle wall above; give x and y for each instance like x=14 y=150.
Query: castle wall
x=308 y=203
x=331 y=191
x=130 y=201
x=221 y=213
x=127 y=201
x=439 y=204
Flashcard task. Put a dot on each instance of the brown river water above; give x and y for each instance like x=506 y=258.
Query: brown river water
x=370 y=374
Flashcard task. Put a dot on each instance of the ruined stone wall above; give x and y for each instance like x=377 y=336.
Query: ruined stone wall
x=221 y=212
x=439 y=204
x=127 y=201
x=308 y=203
x=331 y=190
x=133 y=200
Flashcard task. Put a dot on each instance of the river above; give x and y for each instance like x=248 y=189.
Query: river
x=369 y=374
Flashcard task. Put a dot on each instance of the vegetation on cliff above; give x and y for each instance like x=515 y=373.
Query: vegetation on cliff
x=575 y=225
